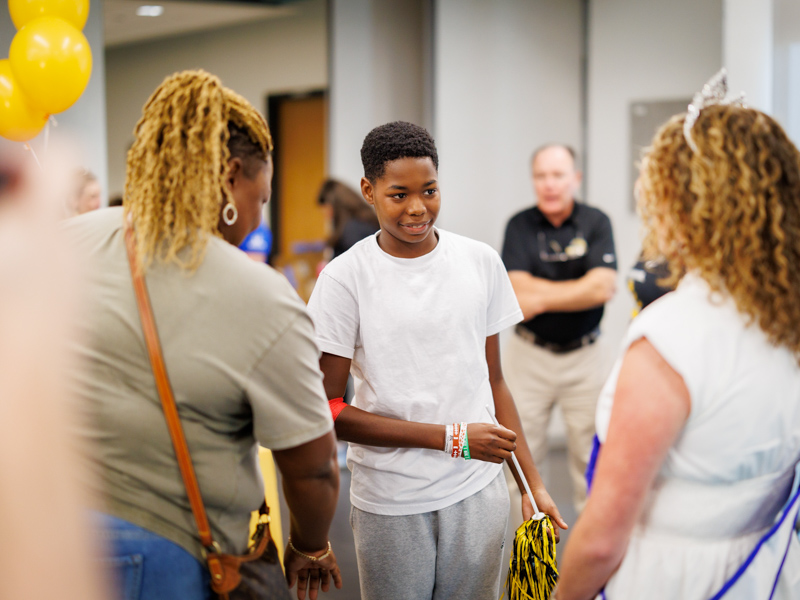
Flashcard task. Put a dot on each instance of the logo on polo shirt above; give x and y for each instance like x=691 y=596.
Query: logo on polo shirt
x=577 y=248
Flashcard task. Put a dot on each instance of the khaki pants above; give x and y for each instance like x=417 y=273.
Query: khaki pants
x=538 y=379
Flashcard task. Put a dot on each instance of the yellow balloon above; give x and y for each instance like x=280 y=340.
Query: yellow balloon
x=19 y=122
x=52 y=62
x=75 y=12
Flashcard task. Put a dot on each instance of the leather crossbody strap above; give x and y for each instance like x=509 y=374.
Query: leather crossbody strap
x=165 y=393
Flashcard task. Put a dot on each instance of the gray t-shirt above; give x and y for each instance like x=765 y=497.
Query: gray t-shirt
x=240 y=353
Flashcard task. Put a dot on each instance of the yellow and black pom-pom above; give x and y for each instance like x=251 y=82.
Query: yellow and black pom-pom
x=533 y=571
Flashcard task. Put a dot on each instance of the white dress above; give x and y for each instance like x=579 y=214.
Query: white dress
x=730 y=471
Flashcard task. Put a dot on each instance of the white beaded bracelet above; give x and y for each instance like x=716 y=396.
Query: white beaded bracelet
x=448 y=440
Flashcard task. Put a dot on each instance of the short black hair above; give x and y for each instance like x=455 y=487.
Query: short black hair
x=392 y=141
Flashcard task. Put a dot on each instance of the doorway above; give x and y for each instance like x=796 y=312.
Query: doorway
x=299 y=125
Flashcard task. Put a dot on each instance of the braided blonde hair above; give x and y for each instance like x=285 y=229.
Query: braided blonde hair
x=176 y=168
x=730 y=212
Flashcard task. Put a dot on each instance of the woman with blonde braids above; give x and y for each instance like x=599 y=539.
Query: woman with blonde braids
x=700 y=419
x=237 y=343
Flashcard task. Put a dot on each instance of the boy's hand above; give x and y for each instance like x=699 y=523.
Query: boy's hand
x=491 y=443
x=545 y=504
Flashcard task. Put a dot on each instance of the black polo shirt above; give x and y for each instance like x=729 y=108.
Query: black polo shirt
x=584 y=241
x=643 y=281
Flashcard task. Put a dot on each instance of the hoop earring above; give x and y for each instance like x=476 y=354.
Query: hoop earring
x=230 y=218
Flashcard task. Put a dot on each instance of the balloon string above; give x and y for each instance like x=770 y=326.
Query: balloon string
x=36 y=158
x=51 y=120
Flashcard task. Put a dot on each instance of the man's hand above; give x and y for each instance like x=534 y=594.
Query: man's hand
x=536 y=295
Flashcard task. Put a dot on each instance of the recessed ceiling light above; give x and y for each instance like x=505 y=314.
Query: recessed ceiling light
x=150 y=11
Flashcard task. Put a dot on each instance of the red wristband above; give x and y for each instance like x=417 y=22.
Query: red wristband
x=336 y=405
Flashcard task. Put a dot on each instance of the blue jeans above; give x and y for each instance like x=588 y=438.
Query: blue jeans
x=146 y=566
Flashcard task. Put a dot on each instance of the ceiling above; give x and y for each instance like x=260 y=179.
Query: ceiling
x=123 y=26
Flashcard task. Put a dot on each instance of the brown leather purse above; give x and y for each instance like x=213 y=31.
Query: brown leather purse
x=256 y=575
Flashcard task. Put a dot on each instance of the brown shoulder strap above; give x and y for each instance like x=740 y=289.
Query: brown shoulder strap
x=165 y=392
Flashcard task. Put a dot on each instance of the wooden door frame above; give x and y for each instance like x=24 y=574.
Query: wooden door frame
x=274 y=103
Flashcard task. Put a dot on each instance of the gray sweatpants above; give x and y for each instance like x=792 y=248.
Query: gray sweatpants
x=456 y=552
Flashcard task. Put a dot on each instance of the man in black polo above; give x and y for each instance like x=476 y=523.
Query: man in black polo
x=561 y=261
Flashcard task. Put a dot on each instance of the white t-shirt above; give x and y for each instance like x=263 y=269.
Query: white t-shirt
x=416 y=332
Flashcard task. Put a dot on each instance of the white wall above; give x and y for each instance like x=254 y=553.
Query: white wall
x=507 y=79
x=645 y=50
x=283 y=54
x=792 y=119
x=748 y=50
x=786 y=90
x=379 y=57
x=350 y=103
x=83 y=125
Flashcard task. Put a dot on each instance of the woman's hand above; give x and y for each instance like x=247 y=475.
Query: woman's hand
x=311 y=486
x=311 y=575
x=490 y=443
x=545 y=504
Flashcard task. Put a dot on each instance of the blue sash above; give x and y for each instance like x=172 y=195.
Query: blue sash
x=784 y=526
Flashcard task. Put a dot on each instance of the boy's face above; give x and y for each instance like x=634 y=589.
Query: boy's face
x=406 y=200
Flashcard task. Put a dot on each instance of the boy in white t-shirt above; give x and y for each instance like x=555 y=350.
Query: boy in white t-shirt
x=414 y=313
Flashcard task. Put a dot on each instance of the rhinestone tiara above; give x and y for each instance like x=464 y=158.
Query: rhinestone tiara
x=715 y=91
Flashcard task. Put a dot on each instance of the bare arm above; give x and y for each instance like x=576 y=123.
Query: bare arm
x=507 y=415
x=490 y=443
x=310 y=474
x=651 y=406
x=537 y=295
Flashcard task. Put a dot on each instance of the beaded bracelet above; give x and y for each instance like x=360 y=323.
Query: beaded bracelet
x=462 y=435
x=456 y=440
x=448 y=439
x=308 y=556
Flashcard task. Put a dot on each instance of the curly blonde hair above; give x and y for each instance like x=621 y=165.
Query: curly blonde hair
x=730 y=212
x=174 y=186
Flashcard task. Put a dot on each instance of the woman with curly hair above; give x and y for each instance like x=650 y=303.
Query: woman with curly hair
x=237 y=343
x=700 y=419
